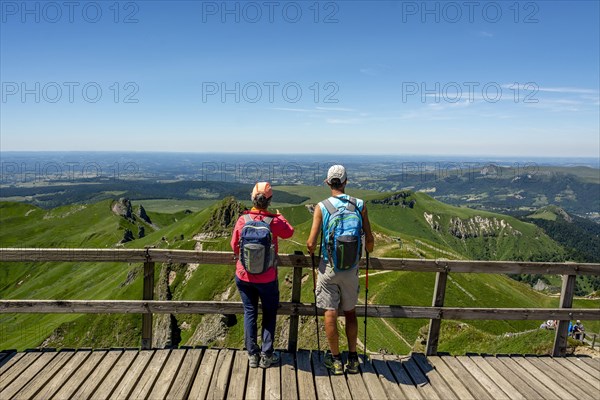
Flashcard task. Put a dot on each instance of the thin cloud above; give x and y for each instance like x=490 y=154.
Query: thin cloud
x=568 y=90
x=565 y=90
x=368 y=71
x=293 y=109
x=375 y=70
x=335 y=109
x=446 y=105
x=316 y=109
x=344 y=121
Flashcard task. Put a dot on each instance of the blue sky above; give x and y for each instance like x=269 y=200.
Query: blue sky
x=351 y=77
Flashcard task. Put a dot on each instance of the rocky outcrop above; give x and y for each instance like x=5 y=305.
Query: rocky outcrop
x=433 y=221
x=403 y=199
x=134 y=219
x=480 y=227
x=563 y=214
x=214 y=327
x=166 y=330
x=223 y=218
x=141 y=212
x=540 y=285
x=131 y=275
x=122 y=207
x=127 y=236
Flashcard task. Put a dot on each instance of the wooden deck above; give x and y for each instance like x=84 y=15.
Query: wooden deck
x=201 y=373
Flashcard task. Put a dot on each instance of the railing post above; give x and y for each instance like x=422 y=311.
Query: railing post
x=439 y=292
x=562 y=330
x=148 y=295
x=296 y=290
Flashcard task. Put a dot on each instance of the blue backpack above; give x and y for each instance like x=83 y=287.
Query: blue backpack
x=257 y=253
x=342 y=235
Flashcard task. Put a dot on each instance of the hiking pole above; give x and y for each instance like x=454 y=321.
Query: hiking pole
x=366 y=297
x=312 y=259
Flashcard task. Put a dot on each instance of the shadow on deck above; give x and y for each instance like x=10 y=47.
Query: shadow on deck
x=202 y=373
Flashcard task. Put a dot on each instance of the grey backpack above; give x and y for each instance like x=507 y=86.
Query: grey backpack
x=257 y=252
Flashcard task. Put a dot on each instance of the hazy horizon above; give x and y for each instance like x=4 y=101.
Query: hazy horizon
x=257 y=156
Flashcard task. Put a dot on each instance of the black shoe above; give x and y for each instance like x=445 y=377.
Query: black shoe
x=266 y=361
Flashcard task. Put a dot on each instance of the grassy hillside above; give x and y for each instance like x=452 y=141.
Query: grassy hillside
x=474 y=234
x=96 y=225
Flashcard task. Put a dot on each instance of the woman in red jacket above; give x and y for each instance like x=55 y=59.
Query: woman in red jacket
x=265 y=286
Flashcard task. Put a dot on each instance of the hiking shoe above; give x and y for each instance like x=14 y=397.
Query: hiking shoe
x=352 y=365
x=253 y=360
x=266 y=361
x=334 y=365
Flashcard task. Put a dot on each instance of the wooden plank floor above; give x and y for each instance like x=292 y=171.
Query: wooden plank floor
x=202 y=373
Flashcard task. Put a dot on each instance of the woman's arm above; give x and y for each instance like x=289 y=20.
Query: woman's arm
x=284 y=229
x=235 y=237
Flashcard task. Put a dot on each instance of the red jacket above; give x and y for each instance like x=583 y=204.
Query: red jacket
x=280 y=228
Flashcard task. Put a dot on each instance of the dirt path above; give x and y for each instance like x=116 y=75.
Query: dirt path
x=293 y=241
x=389 y=326
x=461 y=288
x=398 y=335
x=437 y=249
x=376 y=273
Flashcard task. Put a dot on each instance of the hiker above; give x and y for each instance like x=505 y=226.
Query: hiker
x=578 y=331
x=337 y=286
x=254 y=241
x=550 y=324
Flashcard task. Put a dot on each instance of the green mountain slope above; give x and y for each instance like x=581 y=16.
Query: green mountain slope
x=473 y=234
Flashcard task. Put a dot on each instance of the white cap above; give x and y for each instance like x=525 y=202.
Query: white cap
x=336 y=171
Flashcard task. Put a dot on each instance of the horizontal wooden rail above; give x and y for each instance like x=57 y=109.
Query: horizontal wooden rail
x=286 y=308
x=292 y=260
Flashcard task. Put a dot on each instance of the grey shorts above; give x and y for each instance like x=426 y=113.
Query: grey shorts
x=337 y=290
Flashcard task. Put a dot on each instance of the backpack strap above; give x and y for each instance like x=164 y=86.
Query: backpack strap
x=351 y=204
x=248 y=218
x=329 y=206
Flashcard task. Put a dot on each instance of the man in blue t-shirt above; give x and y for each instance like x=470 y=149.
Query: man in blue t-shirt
x=338 y=289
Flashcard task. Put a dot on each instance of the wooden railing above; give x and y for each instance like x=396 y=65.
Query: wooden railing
x=295 y=308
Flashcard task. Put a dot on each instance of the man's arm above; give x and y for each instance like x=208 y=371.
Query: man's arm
x=311 y=243
x=369 y=239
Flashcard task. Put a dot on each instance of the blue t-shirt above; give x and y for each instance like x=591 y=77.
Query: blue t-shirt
x=337 y=203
